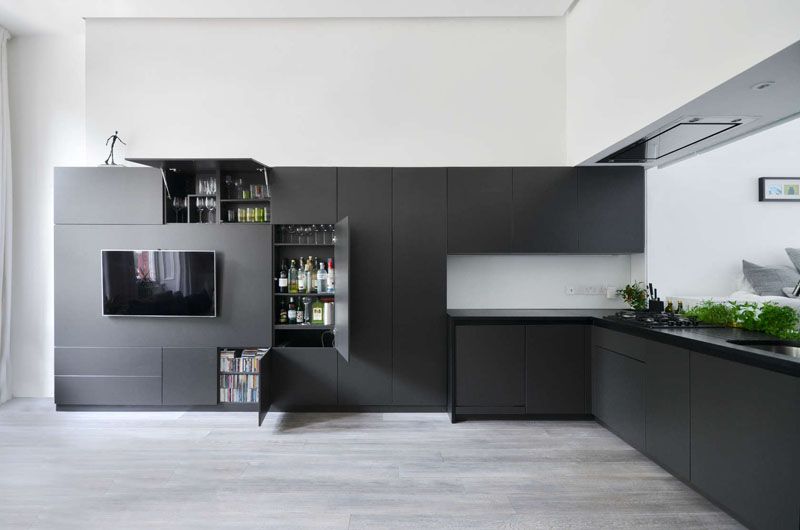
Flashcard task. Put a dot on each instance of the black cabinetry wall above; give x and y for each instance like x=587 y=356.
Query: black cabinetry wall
x=303 y=195
x=479 y=210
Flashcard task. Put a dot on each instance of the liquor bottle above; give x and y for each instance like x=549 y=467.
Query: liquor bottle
x=283 y=279
x=316 y=311
x=322 y=278
x=307 y=271
x=291 y=313
x=331 y=275
x=293 y=279
x=307 y=310
x=300 y=317
x=301 y=278
x=313 y=266
x=283 y=313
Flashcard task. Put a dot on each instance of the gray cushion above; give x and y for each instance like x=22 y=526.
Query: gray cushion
x=794 y=255
x=769 y=281
x=789 y=291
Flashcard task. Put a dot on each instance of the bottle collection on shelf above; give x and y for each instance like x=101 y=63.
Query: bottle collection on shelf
x=310 y=278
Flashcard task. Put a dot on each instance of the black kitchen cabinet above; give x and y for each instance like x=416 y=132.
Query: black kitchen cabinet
x=490 y=369
x=365 y=197
x=479 y=210
x=745 y=436
x=667 y=417
x=189 y=376
x=556 y=370
x=303 y=378
x=618 y=395
x=545 y=213
x=303 y=195
x=419 y=283
x=611 y=209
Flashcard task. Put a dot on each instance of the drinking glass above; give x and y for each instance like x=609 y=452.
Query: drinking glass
x=201 y=205
x=239 y=184
x=177 y=205
x=228 y=187
x=307 y=230
x=211 y=205
x=211 y=189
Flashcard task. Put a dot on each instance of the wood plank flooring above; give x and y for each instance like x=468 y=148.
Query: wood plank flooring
x=198 y=470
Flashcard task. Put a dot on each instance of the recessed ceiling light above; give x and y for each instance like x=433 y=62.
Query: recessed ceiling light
x=763 y=85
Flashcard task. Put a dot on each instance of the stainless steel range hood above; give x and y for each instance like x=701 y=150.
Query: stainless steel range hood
x=674 y=137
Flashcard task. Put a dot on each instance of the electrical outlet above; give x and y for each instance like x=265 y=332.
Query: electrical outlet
x=570 y=289
x=586 y=290
x=611 y=292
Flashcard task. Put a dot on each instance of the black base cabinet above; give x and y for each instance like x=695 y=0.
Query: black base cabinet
x=556 y=369
x=303 y=378
x=745 y=440
x=618 y=394
x=490 y=369
x=189 y=376
x=667 y=407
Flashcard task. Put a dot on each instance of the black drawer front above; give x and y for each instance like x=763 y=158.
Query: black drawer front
x=104 y=390
x=108 y=361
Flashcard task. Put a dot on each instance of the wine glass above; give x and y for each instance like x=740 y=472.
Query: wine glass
x=178 y=204
x=228 y=186
x=211 y=206
x=201 y=205
x=211 y=188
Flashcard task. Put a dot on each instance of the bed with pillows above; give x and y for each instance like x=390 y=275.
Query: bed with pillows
x=763 y=283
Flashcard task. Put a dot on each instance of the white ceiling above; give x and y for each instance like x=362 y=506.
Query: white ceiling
x=23 y=17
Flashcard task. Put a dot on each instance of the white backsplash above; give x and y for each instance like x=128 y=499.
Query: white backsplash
x=534 y=281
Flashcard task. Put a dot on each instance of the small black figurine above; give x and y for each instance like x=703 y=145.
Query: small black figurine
x=113 y=139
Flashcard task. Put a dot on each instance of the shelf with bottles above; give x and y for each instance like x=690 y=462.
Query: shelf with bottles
x=302 y=275
x=313 y=295
x=305 y=235
x=304 y=312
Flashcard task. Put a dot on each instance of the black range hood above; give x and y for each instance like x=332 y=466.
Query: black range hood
x=684 y=133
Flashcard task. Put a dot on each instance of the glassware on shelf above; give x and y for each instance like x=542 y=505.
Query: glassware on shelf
x=228 y=187
x=309 y=234
x=238 y=185
x=178 y=204
x=200 y=202
x=211 y=206
x=290 y=231
x=317 y=234
x=231 y=215
x=241 y=215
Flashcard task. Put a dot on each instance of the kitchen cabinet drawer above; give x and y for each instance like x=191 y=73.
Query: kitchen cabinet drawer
x=108 y=361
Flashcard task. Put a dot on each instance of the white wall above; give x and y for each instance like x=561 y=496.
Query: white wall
x=533 y=282
x=704 y=216
x=46 y=78
x=390 y=92
x=631 y=62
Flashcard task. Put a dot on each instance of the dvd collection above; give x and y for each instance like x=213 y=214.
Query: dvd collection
x=238 y=375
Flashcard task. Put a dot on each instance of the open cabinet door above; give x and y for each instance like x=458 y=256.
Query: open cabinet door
x=341 y=313
x=264 y=396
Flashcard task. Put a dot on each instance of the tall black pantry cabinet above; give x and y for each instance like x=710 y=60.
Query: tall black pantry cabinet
x=419 y=286
x=365 y=197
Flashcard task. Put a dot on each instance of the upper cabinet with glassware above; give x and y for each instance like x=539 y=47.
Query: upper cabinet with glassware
x=214 y=190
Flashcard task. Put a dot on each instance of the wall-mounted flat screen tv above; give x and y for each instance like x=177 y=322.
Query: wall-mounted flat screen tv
x=159 y=283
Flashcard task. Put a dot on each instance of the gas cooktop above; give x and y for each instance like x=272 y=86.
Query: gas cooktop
x=649 y=319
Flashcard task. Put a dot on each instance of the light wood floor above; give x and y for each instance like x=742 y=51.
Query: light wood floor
x=136 y=470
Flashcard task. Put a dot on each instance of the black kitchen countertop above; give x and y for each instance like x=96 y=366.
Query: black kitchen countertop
x=710 y=341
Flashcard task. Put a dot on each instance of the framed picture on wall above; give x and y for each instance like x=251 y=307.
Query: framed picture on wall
x=775 y=189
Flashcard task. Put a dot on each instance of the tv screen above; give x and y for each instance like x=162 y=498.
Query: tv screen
x=159 y=283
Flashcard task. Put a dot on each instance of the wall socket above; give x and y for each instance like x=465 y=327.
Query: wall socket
x=592 y=290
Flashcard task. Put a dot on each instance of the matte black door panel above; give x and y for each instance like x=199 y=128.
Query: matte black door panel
x=108 y=361
x=545 y=209
x=302 y=378
x=108 y=196
x=419 y=276
x=365 y=197
x=303 y=195
x=107 y=390
x=490 y=366
x=611 y=209
x=618 y=397
x=745 y=437
x=556 y=369
x=479 y=210
x=190 y=376
x=341 y=314
x=667 y=407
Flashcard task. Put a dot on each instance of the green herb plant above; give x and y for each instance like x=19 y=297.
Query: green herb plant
x=635 y=295
x=769 y=317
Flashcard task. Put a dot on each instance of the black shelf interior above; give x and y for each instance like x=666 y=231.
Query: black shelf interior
x=301 y=327
x=318 y=295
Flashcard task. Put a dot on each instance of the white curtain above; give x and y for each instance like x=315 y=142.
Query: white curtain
x=5 y=224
